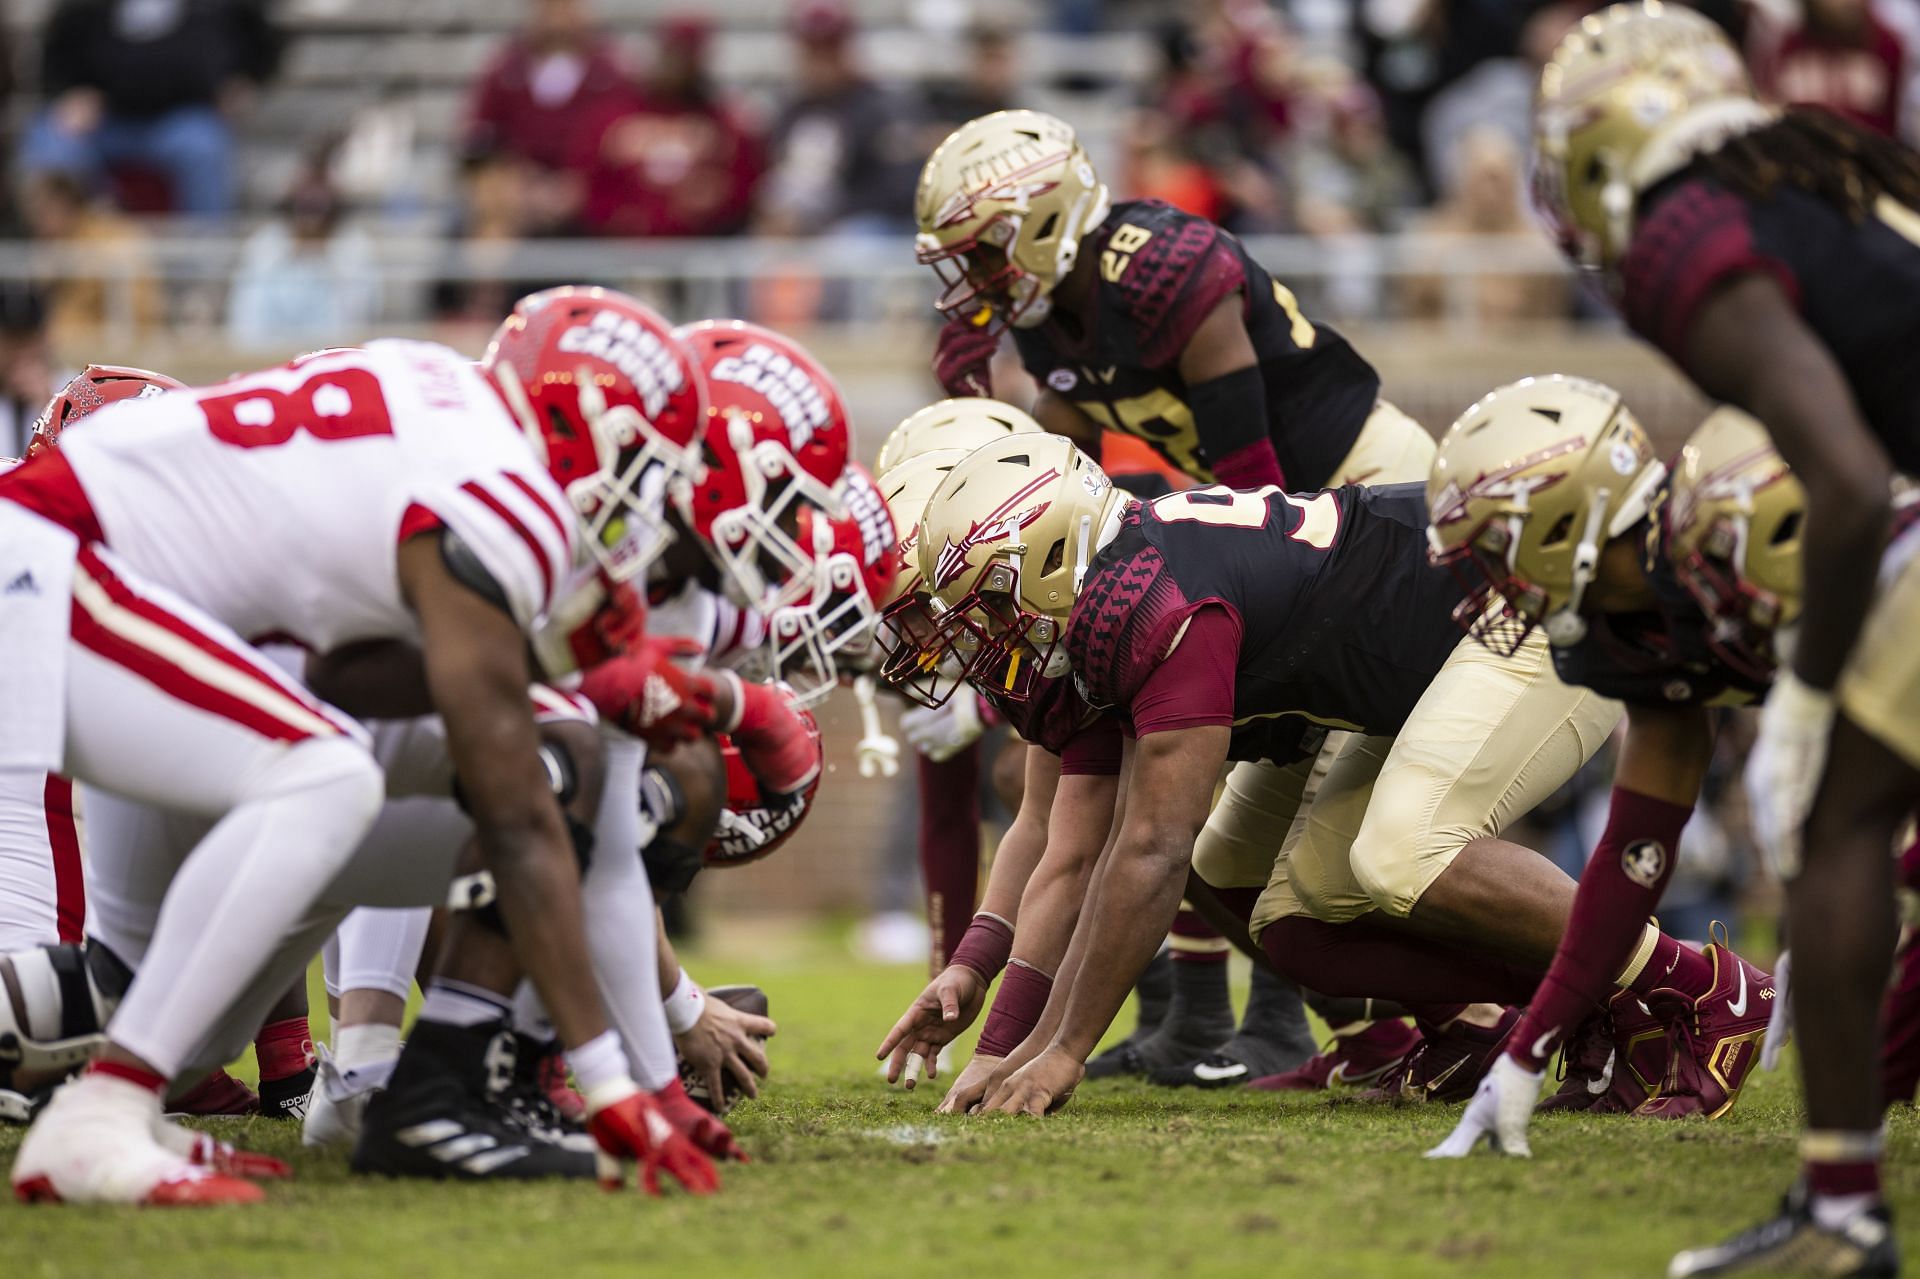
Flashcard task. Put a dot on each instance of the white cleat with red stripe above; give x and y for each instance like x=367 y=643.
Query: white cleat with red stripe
x=97 y=1141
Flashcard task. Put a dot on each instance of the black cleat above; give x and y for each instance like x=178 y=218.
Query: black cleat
x=1794 y=1243
x=448 y=1112
x=287 y=1098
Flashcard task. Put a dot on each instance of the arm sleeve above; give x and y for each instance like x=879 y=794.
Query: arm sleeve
x=1230 y=417
x=1192 y=687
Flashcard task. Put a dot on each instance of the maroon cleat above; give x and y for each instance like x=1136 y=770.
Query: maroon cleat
x=1352 y=1060
x=1613 y=1061
x=217 y=1094
x=1448 y=1064
x=1715 y=1039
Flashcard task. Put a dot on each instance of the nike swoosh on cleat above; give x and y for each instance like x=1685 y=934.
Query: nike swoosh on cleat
x=1600 y=1085
x=1212 y=1074
x=1438 y=1081
x=1738 y=1007
x=1542 y=1045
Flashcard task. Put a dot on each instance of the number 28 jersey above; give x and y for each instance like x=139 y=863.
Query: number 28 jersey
x=277 y=501
x=1342 y=620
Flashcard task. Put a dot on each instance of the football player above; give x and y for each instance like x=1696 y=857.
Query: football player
x=158 y=535
x=1771 y=254
x=1200 y=618
x=45 y=898
x=1139 y=318
x=1672 y=614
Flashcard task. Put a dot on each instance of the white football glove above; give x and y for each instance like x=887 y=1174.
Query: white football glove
x=1499 y=1111
x=947 y=729
x=1785 y=767
x=878 y=753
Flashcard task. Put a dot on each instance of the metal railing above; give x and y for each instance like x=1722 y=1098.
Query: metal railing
x=859 y=280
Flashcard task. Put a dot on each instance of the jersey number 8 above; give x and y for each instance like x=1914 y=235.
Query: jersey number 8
x=341 y=404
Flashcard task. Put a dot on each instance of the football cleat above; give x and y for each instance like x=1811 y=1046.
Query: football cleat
x=1498 y=1114
x=289 y=1096
x=1715 y=1039
x=339 y=1101
x=1794 y=1243
x=1354 y=1060
x=95 y=1142
x=1613 y=1061
x=437 y=1117
x=218 y=1094
x=528 y=1101
x=1154 y=991
x=1448 y=1064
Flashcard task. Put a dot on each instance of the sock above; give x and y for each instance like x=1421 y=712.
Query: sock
x=147 y=1079
x=1671 y=965
x=530 y=1014
x=1274 y=1036
x=358 y=1046
x=1199 y=971
x=950 y=846
x=1274 y=1009
x=283 y=1048
x=1842 y=1172
x=1608 y=929
x=1366 y=959
x=454 y=1003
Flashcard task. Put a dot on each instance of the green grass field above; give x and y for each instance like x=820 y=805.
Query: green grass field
x=851 y=1178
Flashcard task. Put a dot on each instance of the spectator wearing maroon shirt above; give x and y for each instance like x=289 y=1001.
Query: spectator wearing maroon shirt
x=683 y=160
x=560 y=80
x=1842 y=57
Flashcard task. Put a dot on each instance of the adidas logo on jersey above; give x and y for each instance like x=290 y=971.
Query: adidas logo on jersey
x=23 y=584
x=446 y=1140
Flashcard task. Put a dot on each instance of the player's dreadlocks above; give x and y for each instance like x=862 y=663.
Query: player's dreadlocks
x=1822 y=154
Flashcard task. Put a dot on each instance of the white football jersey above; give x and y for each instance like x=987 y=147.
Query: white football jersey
x=276 y=501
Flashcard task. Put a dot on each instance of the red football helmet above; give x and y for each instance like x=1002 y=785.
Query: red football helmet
x=90 y=390
x=749 y=828
x=613 y=403
x=852 y=568
x=777 y=441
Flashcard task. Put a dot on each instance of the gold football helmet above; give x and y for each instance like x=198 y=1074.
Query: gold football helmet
x=907 y=619
x=1734 y=518
x=1002 y=207
x=965 y=423
x=1528 y=485
x=1002 y=550
x=1630 y=96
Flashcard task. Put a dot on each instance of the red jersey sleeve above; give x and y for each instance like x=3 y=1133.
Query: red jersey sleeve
x=1192 y=686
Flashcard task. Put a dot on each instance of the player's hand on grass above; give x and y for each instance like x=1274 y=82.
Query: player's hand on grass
x=1040 y=1087
x=726 y=1042
x=628 y=1127
x=982 y=1075
x=933 y=1020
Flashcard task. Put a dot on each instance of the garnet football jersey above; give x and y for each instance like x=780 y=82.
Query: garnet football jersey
x=275 y=501
x=1160 y=272
x=1857 y=286
x=1342 y=619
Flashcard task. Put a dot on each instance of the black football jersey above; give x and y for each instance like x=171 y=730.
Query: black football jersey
x=1659 y=657
x=1160 y=272
x=1343 y=621
x=1856 y=285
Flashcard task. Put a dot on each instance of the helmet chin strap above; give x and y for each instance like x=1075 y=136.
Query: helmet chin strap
x=1565 y=625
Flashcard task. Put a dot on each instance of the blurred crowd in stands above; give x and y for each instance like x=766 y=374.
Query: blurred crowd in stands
x=1325 y=118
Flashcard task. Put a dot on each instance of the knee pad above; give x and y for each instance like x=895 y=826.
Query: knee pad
x=57 y=1002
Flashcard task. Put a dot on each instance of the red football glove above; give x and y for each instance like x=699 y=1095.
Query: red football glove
x=698 y=1125
x=773 y=740
x=632 y=1128
x=646 y=692
x=963 y=359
